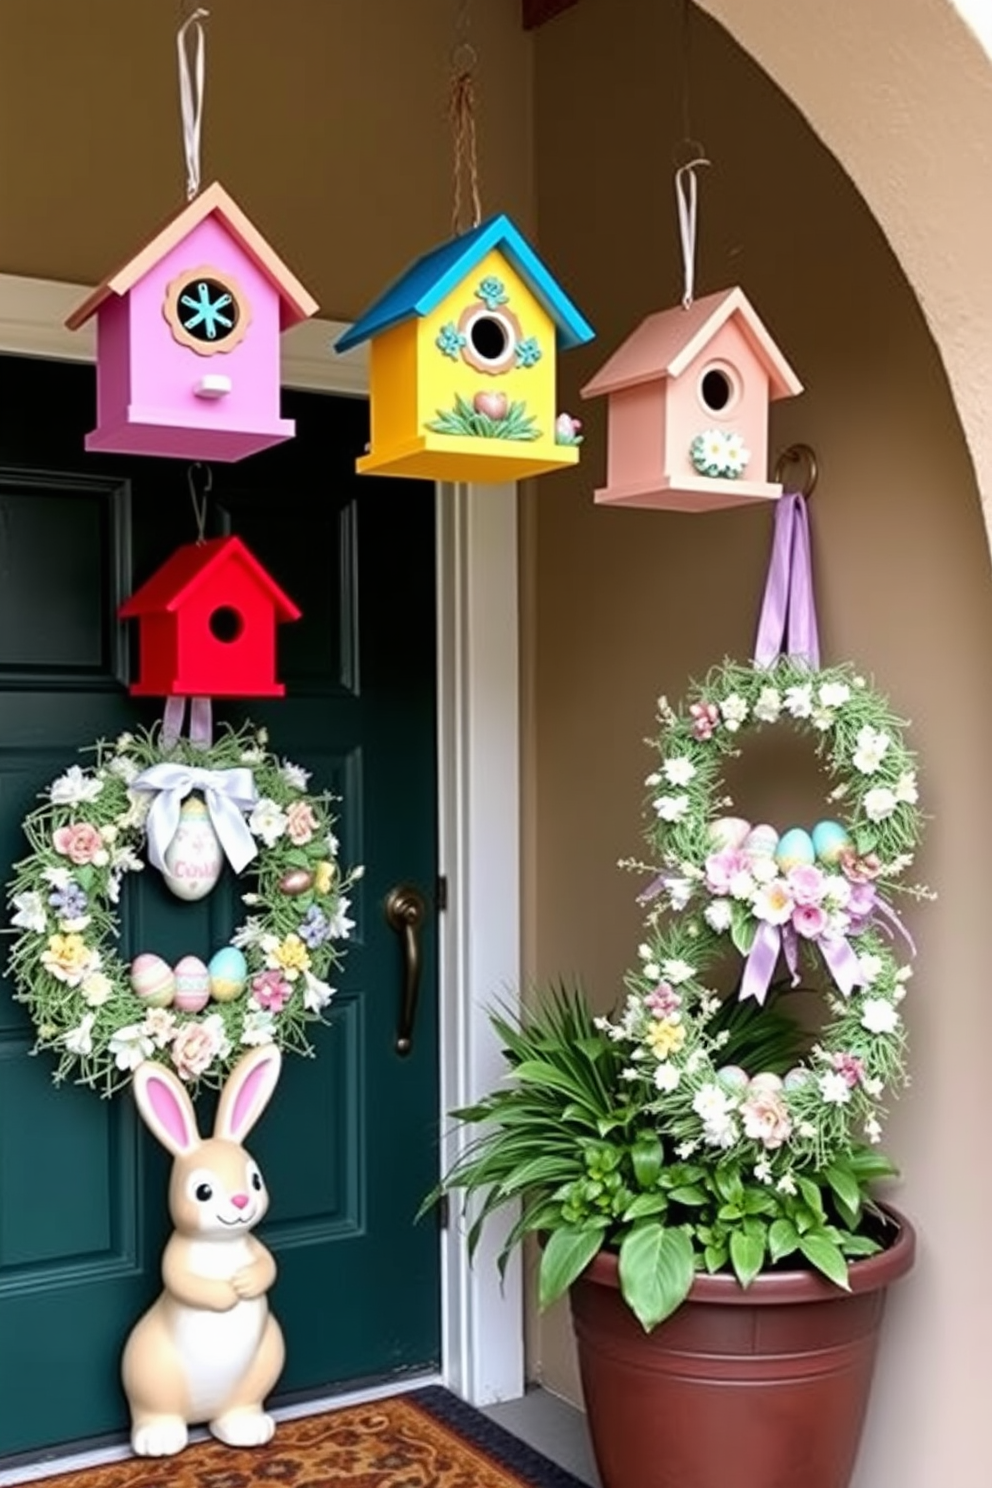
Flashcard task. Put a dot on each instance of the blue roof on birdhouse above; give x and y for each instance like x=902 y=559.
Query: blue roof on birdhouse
x=427 y=282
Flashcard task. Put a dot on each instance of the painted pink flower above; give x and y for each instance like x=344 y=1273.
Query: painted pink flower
x=300 y=822
x=851 y=1067
x=809 y=920
x=859 y=870
x=663 y=1000
x=271 y=991
x=807 y=883
x=81 y=843
x=723 y=867
x=193 y=1049
x=766 y=1117
x=705 y=717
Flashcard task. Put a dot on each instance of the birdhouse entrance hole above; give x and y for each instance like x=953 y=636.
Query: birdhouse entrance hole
x=718 y=388
x=226 y=624
x=491 y=338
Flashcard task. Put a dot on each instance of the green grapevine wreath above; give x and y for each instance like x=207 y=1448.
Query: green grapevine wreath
x=91 y=832
x=818 y=896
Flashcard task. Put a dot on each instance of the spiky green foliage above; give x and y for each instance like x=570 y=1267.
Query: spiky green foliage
x=516 y=423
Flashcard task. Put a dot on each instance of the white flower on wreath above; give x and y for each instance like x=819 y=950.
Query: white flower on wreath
x=834 y=694
x=87 y=961
x=773 y=903
x=742 y=886
x=823 y=719
x=763 y=1170
x=96 y=989
x=769 y=705
x=59 y=878
x=871 y=747
x=678 y=771
x=878 y=1015
x=667 y=1077
x=719 y=915
x=268 y=821
x=672 y=808
x=734 y=711
x=130 y=1045
x=906 y=789
x=160 y=1025
x=340 y=927
x=249 y=934
x=834 y=1089
x=74 y=787
x=139 y=805
x=30 y=912
x=253 y=755
x=869 y=968
x=763 y=870
x=677 y=971
x=294 y=775
x=679 y=892
x=873 y=1130
x=124 y=768
x=879 y=803
x=259 y=1027
x=799 y=700
x=79 y=1040
x=837 y=894
x=316 y=994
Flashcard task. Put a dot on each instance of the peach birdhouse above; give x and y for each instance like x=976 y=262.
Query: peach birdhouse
x=463 y=363
x=688 y=397
x=188 y=339
x=208 y=622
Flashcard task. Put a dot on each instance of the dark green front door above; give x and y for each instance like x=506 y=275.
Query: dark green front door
x=348 y=1146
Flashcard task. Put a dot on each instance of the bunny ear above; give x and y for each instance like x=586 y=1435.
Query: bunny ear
x=247 y=1092
x=166 y=1108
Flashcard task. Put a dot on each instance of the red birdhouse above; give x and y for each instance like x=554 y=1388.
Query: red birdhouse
x=208 y=624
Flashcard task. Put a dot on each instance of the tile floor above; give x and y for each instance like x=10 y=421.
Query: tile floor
x=552 y=1426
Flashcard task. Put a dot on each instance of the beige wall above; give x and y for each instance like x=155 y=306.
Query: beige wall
x=326 y=119
x=623 y=605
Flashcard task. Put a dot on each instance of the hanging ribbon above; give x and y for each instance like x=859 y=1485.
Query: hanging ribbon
x=787 y=625
x=686 y=200
x=201 y=726
x=227 y=793
x=191 y=98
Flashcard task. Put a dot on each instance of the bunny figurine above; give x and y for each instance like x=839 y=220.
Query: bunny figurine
x=208 y=1349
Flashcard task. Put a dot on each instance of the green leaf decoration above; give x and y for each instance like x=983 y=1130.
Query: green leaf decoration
x=564 y=1258
x=783 y=1239
x=747 y=1252
x=464 y=420
x=656 y=1272
x=646 y=1156
x=827 y=1257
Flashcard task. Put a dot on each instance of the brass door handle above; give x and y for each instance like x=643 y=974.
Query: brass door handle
x=406 y=910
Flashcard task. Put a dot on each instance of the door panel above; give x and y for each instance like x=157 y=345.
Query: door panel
x=348 y=1146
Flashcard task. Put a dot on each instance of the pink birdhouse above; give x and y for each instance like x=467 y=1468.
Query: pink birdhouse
x=208 y=624
x=188 y=339
x=688 y=407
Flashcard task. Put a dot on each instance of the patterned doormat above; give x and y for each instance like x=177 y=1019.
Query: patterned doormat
x=425 y=1439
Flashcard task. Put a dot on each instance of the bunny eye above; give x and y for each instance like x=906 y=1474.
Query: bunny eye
x=203 y=1192
x=256 y=1181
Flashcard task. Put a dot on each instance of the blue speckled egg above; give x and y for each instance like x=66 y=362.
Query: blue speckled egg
x=228 y=974
x=795 y=849
x=829 y=841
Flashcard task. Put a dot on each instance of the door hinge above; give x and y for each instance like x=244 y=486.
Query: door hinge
x=443 y=1211
x=441 y=893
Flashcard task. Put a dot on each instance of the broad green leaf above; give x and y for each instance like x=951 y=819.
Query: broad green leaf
x=812 y=1196
x=826 y=1257
x=846 y=1189
x=656 y=1271
x=646 y=1156
x=760 y=1201
x=731 y=1212
x=715 y=1257
x=729 y=1185
x=783 y=1239
x=688 y=1193
x=742 y=927
x=859 y=1245
x=747 y=1252
x=645 y=1205
x=566 y=1255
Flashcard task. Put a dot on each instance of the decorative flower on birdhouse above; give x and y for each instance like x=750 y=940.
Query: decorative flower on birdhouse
x=688 y=397
x=188 y=339
x=463 y=363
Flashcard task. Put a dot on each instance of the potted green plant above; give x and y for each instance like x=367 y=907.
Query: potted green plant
x=700 y=1170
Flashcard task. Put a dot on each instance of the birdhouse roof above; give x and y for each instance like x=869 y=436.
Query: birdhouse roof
x=295 y=302
x=192 y=565
x=666 y=343
x=432 y=278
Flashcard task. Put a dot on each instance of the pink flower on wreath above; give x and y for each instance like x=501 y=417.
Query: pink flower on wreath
x=194 y=1048
x=859 y=870
x=809 y=920
x=300 y=822
x=271 y=991
x=723 y=867
x=663 y=1001
x=705 y=717
x=766 y=1118
x=807 y=883
x=850 y=1067
x=81 y=843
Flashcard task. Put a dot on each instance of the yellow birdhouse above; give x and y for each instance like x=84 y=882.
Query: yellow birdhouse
x=462 y=364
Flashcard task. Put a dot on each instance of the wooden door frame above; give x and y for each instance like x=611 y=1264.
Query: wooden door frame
x=478 y=793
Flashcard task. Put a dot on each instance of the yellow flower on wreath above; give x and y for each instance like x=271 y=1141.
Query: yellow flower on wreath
x=665 y=1037
x=324 y=876
x=289 y=955
x=69 y=958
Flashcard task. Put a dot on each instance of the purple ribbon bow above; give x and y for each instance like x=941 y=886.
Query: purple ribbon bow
x=787 y=624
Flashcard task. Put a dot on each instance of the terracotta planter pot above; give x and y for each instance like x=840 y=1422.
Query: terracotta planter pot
x=764 y=1388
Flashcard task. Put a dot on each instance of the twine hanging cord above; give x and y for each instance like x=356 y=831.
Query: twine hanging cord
x=461 y=113
x=191 y=97
x=686 y=200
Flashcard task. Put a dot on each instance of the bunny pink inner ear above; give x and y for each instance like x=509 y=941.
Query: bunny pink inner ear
x=170 y=1114
x=247 y=1092
x=243 y=1112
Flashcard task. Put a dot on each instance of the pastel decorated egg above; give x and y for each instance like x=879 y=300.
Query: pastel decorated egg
x=152 y=979
x=830 y=840
x=296 y=881
x=732 y=1077
x=761 y=841
x=228 y=971
x=192 y=985
x=795 y=849
x=766 y=1082
x=194 y=859
x=729 y=832
x=796 y=1077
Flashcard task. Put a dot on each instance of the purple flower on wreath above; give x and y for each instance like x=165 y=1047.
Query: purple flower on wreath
x=69 y=903
x=315 y=928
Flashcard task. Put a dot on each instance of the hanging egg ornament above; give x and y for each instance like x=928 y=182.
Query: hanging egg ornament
x=194 y=859
x=761 y=841
x=732 y=1077
x=296 y=881
x=795 y=849
x=797 y=1077
x=830 y=840
x=152 y=980
x=228 y=972
x=192 y=985
x=729 y=832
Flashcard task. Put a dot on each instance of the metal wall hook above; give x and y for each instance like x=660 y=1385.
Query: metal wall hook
x=803 y=455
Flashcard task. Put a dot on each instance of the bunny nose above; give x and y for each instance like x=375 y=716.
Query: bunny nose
x=239 y=1200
